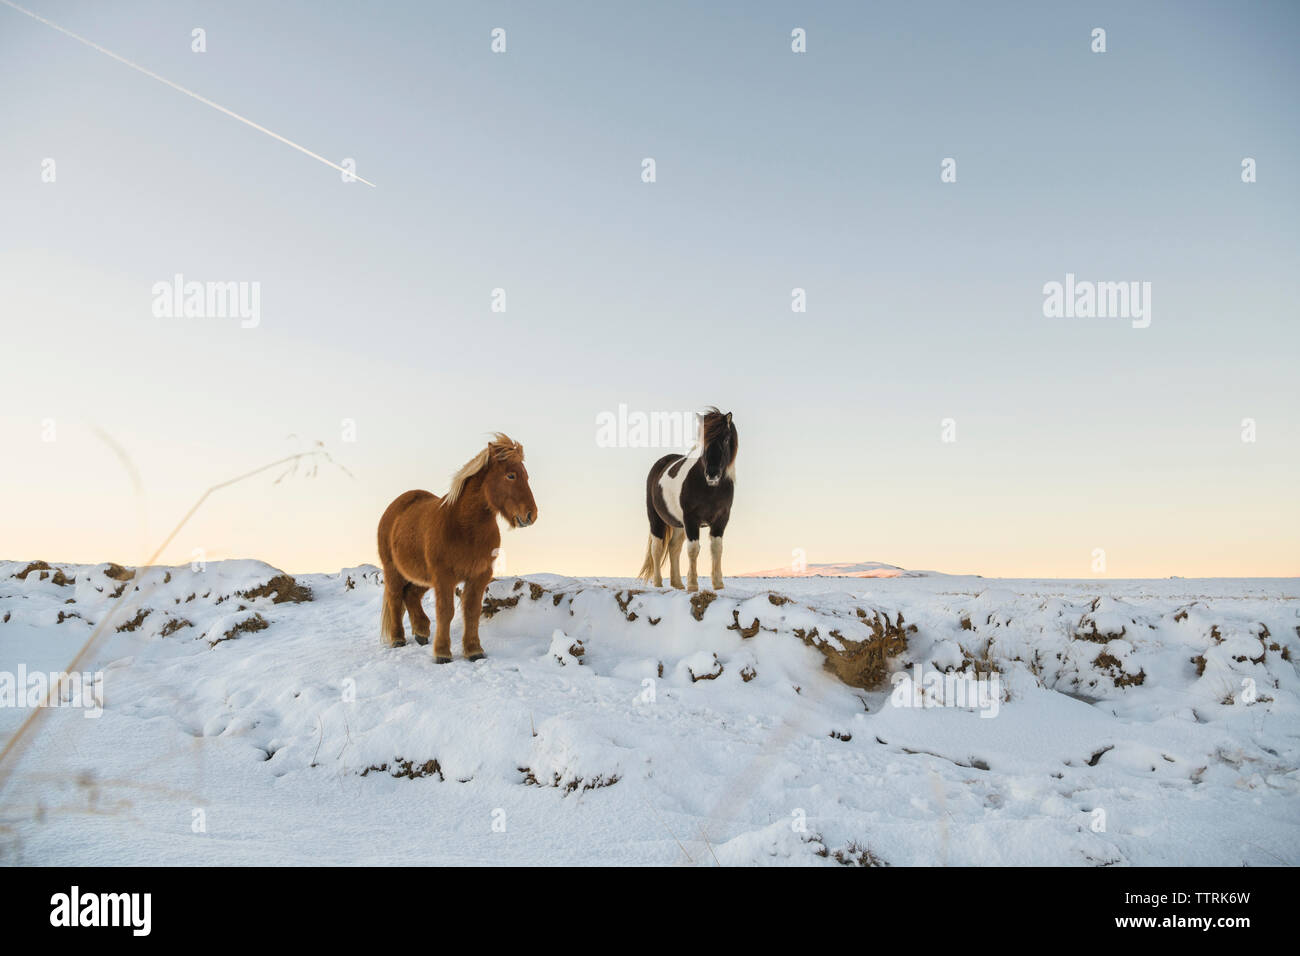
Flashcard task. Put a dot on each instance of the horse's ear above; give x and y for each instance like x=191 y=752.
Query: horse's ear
x=728 y=418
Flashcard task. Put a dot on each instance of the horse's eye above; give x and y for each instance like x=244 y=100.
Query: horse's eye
x=510 y=476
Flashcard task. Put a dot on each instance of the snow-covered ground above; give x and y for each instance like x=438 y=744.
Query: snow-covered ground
x=1132 y=722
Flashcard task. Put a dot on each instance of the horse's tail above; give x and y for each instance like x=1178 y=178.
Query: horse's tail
x=650 y=565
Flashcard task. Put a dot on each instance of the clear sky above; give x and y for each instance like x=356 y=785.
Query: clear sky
x=775 y=170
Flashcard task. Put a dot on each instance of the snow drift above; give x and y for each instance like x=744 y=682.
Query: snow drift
x=249 y=716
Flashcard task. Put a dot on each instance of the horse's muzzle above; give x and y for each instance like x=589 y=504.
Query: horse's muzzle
x=713 y=481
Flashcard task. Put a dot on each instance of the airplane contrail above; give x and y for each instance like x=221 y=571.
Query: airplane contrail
x=177 y=86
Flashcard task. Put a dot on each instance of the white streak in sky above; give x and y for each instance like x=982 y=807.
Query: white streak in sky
x=176 y=86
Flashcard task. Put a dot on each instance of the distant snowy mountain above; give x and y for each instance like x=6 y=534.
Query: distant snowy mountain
x=860 y=569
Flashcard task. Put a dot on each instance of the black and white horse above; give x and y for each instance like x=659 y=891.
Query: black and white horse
x=684 y=492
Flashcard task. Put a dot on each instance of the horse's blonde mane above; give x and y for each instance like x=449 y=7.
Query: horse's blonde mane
x=501 y=447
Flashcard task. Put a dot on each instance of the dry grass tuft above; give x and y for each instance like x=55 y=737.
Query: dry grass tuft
x=247 y=626
x=136 y=621
x=407 y=769
x=863 y=663
x=173 y=625
x=576 y=784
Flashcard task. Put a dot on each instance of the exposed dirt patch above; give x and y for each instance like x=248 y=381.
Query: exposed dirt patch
x=863 y=663
x=744 y=631
x=855 y=855
x=570 y=786
x=173 y=625
x=576 y=651
x=747 y=673
x=535 y=591
x=624 y=599
x=851 y=854
x=280 y=589
x=246 y=626
x=118 y=573
x=136 y=621
x=778 y=599
x=34 y=566
x=1087 y=631
x=1096 y=757
x=713 y=673
x=700 y=602
x=407 y=769
x=1115 y=670
x=46 y=572
x=491 y=605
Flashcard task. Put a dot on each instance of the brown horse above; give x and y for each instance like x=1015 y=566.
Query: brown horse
x=431 y=542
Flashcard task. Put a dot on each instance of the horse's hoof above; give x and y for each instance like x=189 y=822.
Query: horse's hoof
x=422 y=639
x=439 y=659
x=396 y=642
x=692 y=588
x=476 y=657
x=679 y=586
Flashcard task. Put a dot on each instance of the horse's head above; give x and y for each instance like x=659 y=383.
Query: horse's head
x=505 y=483
x=499 y=474
x=719 y=441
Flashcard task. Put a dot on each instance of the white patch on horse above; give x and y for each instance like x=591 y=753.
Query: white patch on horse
x=671 y=485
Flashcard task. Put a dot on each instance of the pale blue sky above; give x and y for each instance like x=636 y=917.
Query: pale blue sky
x=775 y=170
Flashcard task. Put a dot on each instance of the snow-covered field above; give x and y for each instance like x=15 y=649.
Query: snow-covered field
x=1132 y=722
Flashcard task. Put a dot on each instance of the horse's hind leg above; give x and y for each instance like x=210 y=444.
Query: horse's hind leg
x=658 y=546
x=677 y=539
x=411 y=596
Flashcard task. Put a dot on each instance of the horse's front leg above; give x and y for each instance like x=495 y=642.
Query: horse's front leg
x=472 y=604
x=444 y=608
x=692 y=553
x=715 y=553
